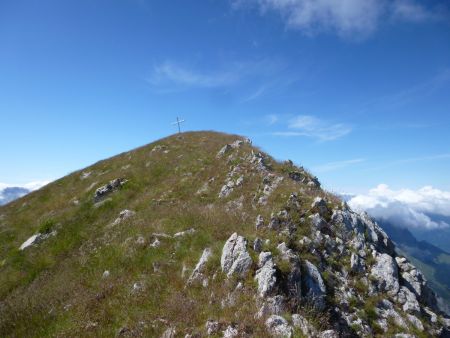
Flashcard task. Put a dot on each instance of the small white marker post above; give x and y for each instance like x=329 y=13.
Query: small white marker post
x=178 y=122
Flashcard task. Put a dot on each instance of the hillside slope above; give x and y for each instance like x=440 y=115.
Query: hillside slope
x=202 y=234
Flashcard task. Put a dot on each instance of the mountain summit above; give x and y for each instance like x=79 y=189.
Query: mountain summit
x=202 y=234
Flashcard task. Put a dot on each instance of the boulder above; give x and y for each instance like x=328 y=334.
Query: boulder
x=197 y=274
x=385 y=274
x=275 y=305
x=266 y=275
x=235 y=258
x=302 y=323
x=259 y=222
x=278 y=326
x=314 y=285
x=106 y=189
x=36 y=239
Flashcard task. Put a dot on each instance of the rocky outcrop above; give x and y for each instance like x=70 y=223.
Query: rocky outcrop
x=278 y=326
x=266 y=274
x=385 y=274
x=314 y=285
x=235 y=258
x=197 y=274
x=106 y=189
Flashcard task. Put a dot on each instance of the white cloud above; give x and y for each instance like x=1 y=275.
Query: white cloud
x=336 y=165
x=169 y=73
x=310 y=126
x=346 y=18
x=405 y=207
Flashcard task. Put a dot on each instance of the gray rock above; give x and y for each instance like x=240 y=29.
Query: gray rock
x=415 y=321
x=169 y=333
x=328 y=334
x=124 y=215
x=266 y=275
x=278 y=326
x=197 y=274
x=184 y=233
x=317 y=222
x=36 y=239
x=320 y=205
x=408 y=299
x=315 y=287
x=230 y=332
x=356 y=263
x=212 y=327
x=257 y=244
x=385 y=273
x=106 y=189
x=302 y=323
x=156 y=243
x=275 y=305
x=235 y=258
x=293 y=280
x=225 y=149
x=259 y=222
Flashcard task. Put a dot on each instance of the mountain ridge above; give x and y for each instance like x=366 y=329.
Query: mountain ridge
x=202 y=234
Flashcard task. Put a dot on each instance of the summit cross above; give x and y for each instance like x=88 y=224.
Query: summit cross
x=178 y=122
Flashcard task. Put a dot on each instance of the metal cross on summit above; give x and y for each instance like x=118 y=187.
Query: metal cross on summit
x=178 y=122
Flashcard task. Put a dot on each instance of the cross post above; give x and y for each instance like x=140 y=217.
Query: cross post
x=178 y=122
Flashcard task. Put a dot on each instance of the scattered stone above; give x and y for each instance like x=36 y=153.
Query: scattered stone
x=259 y=222
x=156 y=243
x=85 y=174
x=184 y=233
x=257 y=244
x=230 y=332
x=123 y=215
x=197 y=274
x=140 y=241
x=235 y=258
x=212 y=327
x=278 y=326
x=36 y=239
x=169 y=333
x=105 y=274
x=104 y=190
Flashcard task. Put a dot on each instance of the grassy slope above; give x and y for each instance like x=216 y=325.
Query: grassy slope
x=56 y=288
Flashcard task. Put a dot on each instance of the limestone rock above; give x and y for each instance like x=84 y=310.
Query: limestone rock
x=259 y=222
x=36 y=239
x=212 y=327
x=302 y=323
x=257 y=244
x=226 y=148
x=266 y=275
x=230 y=332
x=275 y=305
x=124 y=215
x=320 y=205
x=184 y=233
x=315 y=287
x=197 y=274
x=106 y=189
x=278 y=326
x=385 y=273
x=235 y=258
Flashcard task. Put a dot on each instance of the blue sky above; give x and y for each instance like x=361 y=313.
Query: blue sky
x=356 y=91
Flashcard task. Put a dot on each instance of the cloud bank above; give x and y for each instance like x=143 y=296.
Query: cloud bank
x=346 y=18
x=405 y=207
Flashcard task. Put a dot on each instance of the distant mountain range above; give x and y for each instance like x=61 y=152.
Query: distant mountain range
x=11 y=193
